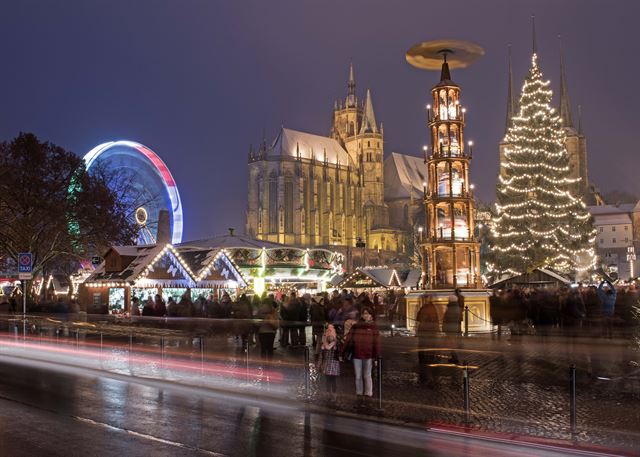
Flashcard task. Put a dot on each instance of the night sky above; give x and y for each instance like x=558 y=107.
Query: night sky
x=198 y=80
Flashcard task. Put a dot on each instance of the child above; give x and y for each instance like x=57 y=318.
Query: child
x=328 y=363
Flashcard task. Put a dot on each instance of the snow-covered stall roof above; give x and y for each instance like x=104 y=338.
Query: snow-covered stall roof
x=404 y=176
x=371 y=277
x=412 y=278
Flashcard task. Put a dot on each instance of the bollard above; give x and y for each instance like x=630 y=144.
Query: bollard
x=202 y=356
x=379 y=360
x=57 y=335
x=572 y=398
x=465 y=387
x=77 y=339
x=162 y=352
x=246 y=351
x=466 y=321
x=393 y=327
x=307 y=375
x=100 y=345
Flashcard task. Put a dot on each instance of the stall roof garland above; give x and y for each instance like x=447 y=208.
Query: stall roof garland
x=372 y=277
x=138 y=271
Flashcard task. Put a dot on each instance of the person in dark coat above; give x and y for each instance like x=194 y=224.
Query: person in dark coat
x=607 y=295
x=148 y=310
x=241 y=312
x=317 y=313
x=289 y=312
x=451 y=323
x=428 y=327
x=574 y=312
x=159 y=308
x=267 y=328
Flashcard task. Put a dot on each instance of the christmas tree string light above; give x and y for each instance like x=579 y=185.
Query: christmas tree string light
x=540 y=220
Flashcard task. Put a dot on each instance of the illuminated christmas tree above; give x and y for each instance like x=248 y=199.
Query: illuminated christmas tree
x=539 y=221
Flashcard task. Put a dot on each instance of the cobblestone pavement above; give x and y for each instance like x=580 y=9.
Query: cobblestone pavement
x=516 y=387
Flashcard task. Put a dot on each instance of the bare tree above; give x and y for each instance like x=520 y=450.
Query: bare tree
x=50 y=206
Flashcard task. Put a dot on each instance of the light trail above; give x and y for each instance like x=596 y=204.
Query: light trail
x=89 y=357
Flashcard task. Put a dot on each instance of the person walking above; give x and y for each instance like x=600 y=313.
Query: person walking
x=428 y=328
x=241 y=311
x=289 y=314
x=452 y=322
x=267 y=329
x=328 y=362
x=365 y=338
x=317 y=312
x=607 y=296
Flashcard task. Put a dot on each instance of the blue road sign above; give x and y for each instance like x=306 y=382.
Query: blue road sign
x=25 y=264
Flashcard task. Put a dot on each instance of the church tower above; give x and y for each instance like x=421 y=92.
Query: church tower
x=347 y=115
x=355 y=127
x=512 y=110
x=575 y=141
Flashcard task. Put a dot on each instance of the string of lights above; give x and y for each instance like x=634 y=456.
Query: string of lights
x=540 y=220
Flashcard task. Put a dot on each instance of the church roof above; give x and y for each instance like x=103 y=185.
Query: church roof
x=293 y=143
x=404 y=176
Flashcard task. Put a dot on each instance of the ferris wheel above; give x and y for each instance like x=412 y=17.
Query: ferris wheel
x=143 y=183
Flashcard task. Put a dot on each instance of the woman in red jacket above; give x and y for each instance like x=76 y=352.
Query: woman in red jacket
x=364 y=338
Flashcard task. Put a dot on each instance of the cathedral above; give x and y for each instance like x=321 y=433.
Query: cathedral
x=310 y=190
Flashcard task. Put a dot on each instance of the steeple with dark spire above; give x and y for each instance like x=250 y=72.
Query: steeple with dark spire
x=512 y=106
x=368 y=119
x=565 y=105
x=351 y=86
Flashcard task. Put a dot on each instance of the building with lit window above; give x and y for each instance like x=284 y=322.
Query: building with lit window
x=312 y=190
x=617 y=235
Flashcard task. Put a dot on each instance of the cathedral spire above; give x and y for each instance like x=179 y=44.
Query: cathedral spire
x=368 y=119
x=565 y=105
x=511 y=104
x=533 y=33
x=351 y=85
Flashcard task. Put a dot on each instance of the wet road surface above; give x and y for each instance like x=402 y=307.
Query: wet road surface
x=49 y=409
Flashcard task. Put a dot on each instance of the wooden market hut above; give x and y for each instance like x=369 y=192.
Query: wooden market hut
x=143 y=271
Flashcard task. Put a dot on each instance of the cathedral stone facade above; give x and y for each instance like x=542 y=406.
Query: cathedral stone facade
x=314 y=190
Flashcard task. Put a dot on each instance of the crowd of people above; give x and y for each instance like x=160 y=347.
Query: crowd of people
x=571 y=311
